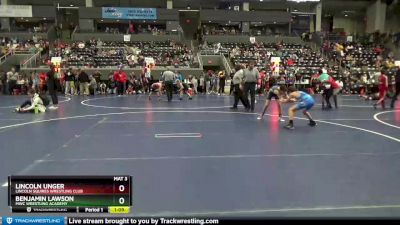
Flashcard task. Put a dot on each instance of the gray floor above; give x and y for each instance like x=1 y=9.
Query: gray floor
x=348 y=165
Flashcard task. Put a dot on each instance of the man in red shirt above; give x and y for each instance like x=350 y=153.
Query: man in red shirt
x=383 y=89
x=121 y=78
x=290 y=62
x=331 y=89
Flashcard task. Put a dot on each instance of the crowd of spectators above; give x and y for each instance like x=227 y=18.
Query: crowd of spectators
x=99 y=54
x=28 y=46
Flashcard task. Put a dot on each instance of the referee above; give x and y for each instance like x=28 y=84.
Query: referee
x=52 y=85
x=168 y=77
x=250 y=76
x=237 y=92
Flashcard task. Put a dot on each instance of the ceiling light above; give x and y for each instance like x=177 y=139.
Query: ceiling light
x=346 y=15
x=295 y=10
x=274 y=22
x=261 y=0
x=72 y=5
x=101 y=20
x=44 y=18
x=209 y=21
x=117 y=20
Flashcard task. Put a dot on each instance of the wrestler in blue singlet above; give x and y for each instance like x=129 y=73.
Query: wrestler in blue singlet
x=306 y=101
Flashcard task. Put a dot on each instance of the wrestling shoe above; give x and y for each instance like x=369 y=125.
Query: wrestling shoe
x=312 y=123
x=289 y=126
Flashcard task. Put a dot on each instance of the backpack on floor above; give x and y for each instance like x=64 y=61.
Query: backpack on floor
x=45 y=100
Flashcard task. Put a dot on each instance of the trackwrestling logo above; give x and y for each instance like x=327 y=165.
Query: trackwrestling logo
x=33 y=220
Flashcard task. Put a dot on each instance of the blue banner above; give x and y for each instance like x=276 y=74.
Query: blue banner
x=129 y=13
x=47 y=220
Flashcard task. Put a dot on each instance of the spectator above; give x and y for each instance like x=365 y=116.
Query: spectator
x=20 y=85
x=3 y=82
x=42 y=82
x=179 y=76
x=12 y=77
x=92 y=86
x=35 y=81
x=121 y=78
x=69 y=82
x=195 y=84
x=97 y=76
x=71 y=29
x=83 y=79
x=397 y=87
x=111 y=85
x=222 y=78
x=202 y=83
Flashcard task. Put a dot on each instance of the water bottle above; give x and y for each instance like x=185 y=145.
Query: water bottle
x=36 y=109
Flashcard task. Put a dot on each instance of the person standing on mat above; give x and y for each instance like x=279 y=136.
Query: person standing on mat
x=237 y=91
x=383 y=88
x=276 y=92
x=168 y=77
x=121 y=78
x=306 y=102
x=250 y=76
x=69 y=82
x=326 y=89
x=222 y=78
x=331 y=89
x=84 y=80
x=397 y=86
x=52 y=84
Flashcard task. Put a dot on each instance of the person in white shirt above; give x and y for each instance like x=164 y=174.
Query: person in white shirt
x=29 y=105
x=195 y=84
x=12 y=77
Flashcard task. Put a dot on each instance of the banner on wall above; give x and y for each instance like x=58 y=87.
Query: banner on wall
x=15 y=11
x=349 y=38
x=127 y=37
x=129 y=13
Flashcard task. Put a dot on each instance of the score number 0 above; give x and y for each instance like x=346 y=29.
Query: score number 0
x=121 y=200
x=121 y=188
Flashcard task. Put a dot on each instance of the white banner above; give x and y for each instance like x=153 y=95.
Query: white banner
x=56 y=60
x=350 y=38
x=15 y=10
x=149 y=60
x=275 y=59
x=127 y=38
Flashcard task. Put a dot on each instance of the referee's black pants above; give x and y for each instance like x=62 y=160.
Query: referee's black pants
x=250 y=87
x=169 y=87
x=394 y=98
x=238 y=94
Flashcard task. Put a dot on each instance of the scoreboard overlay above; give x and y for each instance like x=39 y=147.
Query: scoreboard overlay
x=91 y=194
